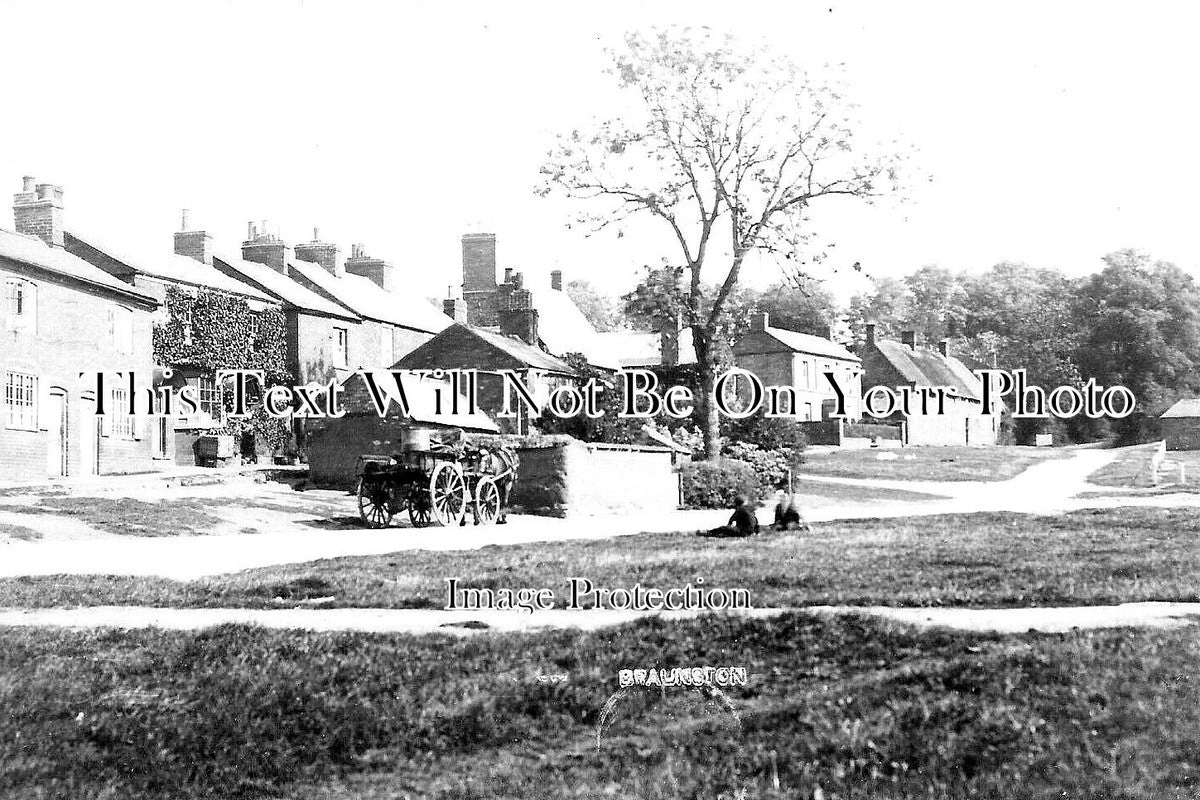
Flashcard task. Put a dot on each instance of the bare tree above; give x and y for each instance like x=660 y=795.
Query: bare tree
x=727 y=149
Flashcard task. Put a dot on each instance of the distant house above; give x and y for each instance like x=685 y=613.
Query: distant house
x=1180 y=425
x=466 y=347
x=779 y=357
x=670 y=347
x=902 y=364
x=61 y=316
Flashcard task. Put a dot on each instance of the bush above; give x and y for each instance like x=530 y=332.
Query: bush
x=767 y=433
x=716 y=484
x=770 y=466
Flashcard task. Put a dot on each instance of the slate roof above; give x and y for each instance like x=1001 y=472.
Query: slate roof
x=32 y=251
x=1188 y=407
x=430 y=354
x=176 y=268
x=365 y=298
x=563 y=328
x=794 y=341
x=930 y=368
x=283 y=287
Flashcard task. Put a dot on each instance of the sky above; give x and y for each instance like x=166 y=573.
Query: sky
x=1051 y=133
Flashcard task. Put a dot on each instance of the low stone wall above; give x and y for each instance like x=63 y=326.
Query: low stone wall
x=333 y=450
x=581 y=479
x=839 y=433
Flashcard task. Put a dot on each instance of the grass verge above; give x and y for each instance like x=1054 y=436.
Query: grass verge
x=859 y=708
x=929 y=463
x=994 y=559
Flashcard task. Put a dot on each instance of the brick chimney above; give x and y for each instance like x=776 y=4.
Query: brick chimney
x=515 y=312
x=909 y=339
x=759 y=321
x=193 y=244
x=870 y=334
x=479 y=262
x=38 y=211
x=556 y=280
x=266 y=248
x=323 y=253
x=375 y=270
x=944 y=348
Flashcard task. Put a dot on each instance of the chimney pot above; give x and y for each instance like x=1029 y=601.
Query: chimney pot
x=316 y=234
x=909 y=339
x=29 y=182
x=944 y=348
x=183 y=220
x=556 y=280
x=508 y=273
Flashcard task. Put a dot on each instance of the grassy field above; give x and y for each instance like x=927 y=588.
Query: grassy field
x=1132 y=469
x=856 y=707
x=993 y=559
x=929 y=463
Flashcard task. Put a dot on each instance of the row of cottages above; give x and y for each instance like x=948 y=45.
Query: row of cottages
x=149 y=312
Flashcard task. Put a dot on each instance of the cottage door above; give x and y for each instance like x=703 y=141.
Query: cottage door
x=56 y=435
x=89 y=438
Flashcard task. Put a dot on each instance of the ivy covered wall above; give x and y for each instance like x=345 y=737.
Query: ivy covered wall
x=205 y=331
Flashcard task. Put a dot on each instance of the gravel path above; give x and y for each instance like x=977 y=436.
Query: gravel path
x=414 y=621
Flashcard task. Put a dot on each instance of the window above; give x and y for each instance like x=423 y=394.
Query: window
x=341 y=340
x=120 y=328
x=805 y=378
x=20 y=304
x=20 y=401
x=185 y=323
x=209 y=396
x=119 y=424
x=254 y=320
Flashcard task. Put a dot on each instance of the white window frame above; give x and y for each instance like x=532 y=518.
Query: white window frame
x=20 y=304
x=118 y=424
x=21 y=401
x=120 y=329
x=208 y=395
x=341 y=346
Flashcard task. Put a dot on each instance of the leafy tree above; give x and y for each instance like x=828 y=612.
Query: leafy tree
x=1142 y=323
x=938 y=303
x=600 y=309
x=728 y=151
x=887 y=306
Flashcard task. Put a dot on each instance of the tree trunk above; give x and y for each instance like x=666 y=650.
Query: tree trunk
x=710 y=422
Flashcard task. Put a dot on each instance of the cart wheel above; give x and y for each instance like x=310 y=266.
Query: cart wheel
x=448 y=494
x=373 y=504
x=487 y=501
x=419 y=511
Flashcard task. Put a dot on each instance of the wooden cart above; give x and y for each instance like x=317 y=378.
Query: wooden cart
x=438 y=485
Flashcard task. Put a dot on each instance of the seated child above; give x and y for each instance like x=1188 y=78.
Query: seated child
x=742 y=522
x=788 y=516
